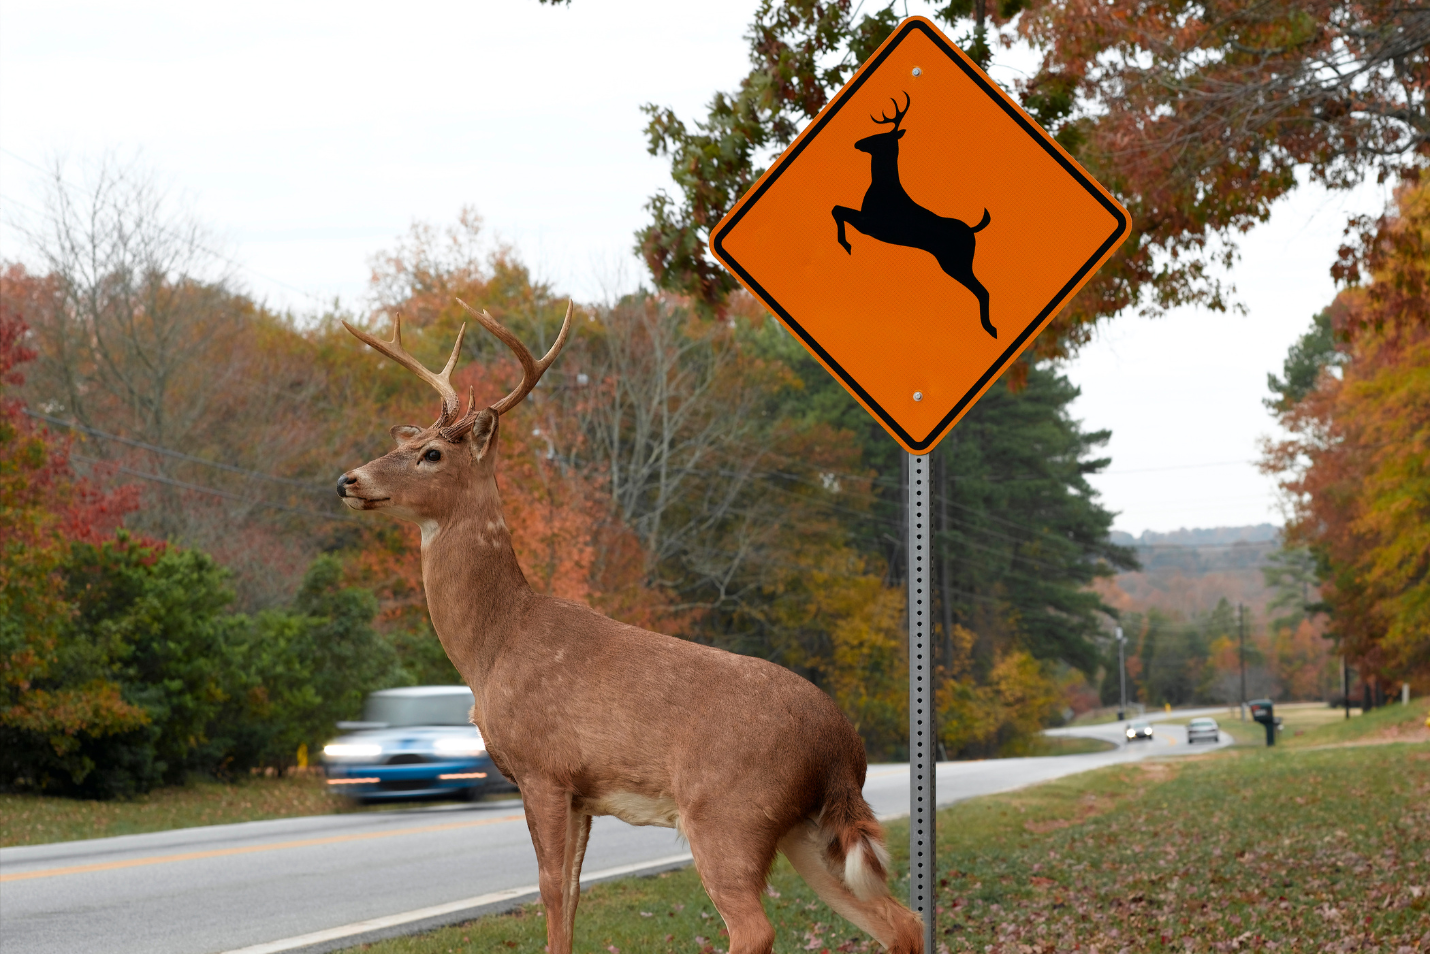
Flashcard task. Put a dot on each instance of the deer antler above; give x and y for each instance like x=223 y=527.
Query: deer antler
x=448 y=424
x=898 y=113
x=531 y=369
x=451 y=404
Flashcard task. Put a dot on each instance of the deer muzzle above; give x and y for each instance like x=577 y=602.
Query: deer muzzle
x=355 y=496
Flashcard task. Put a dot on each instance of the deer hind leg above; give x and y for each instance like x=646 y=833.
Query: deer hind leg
x=559 y=834
x=894 y=926
x=963 y=274
x=842 y=214
x=733 y=862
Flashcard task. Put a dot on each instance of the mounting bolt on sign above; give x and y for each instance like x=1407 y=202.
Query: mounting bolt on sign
x=916 y=237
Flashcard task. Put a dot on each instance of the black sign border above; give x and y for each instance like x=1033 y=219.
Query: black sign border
x=1031 y=128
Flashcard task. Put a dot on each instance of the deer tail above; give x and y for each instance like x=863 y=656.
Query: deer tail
x=983 y=222
x=855 y=849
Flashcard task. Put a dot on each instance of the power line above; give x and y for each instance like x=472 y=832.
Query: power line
x=95 y=432
x=891 y=521
x=210 y=491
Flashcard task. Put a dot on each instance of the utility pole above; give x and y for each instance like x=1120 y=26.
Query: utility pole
x=1241 y=642
x=1121 y=678
x=1346 y=685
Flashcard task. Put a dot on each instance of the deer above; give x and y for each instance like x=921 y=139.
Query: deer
x=889 y=214
x=590 y=716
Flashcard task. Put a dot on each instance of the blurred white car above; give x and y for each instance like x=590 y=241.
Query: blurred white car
x=415 y=742
x=1203 y=730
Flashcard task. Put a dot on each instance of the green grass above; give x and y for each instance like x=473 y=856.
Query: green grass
x=1244 y=849
x=1392 y=722
x=1298 y=718
x=1307 y=724
x=37 y=819
x=1313 y=851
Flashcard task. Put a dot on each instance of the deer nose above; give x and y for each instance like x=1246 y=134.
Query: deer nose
x=344 y=482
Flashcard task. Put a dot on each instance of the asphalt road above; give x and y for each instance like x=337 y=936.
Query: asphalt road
x=325 y=882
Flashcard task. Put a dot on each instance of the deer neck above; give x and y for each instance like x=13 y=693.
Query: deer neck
x=884 y=170
x=476 y=592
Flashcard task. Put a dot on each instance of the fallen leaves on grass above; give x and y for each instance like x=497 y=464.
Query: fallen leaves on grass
x=1218 y=859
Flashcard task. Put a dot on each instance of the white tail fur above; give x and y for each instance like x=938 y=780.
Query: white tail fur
x=866 y=880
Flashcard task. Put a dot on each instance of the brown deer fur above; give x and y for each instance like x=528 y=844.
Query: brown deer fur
x=590 y=716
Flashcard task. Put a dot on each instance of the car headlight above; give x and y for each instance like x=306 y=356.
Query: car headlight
x=351 y=750
x=459 y=745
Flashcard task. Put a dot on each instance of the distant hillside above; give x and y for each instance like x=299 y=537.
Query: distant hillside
x=1186 y=572
x=1216 y=536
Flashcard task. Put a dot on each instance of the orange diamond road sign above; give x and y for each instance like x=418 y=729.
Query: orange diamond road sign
x=919 y=233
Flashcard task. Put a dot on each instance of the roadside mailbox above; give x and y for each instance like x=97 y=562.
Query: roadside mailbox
x=1262 y=710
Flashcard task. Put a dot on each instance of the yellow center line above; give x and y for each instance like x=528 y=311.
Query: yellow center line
x=222 y=852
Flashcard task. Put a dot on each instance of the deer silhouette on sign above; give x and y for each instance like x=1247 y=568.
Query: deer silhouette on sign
x=890 y=215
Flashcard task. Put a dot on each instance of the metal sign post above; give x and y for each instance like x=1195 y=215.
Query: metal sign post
x=922 y=744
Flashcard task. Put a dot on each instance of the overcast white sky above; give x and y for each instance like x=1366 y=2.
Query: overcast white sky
x=310 y=136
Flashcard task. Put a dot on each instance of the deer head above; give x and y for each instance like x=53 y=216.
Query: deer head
x=436 y=471
x=885 y=141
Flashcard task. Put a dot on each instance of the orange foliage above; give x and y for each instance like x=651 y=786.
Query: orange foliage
x=568 y=542
x=1302 y=661
x=1358 y=465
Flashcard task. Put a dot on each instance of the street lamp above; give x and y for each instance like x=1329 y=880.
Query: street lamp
x=1121 y=678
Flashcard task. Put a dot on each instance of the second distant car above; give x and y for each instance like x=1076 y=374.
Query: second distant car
x=416 y=742
x=1139 y=731
x=1203 y=730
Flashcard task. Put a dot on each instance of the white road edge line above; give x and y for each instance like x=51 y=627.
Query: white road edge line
x=437 y=910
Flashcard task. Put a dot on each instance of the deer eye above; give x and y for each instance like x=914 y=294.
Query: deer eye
x=433 y=455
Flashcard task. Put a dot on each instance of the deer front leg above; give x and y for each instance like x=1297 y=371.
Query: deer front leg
x=842 y=214
x=578 y=832
x=559 y=834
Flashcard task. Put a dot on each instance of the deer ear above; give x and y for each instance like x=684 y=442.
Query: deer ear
x=901 y=134
x=404 y=432
x=483 y=435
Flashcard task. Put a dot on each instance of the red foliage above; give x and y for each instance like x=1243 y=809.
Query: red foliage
x=44 y=507
x=38 y=476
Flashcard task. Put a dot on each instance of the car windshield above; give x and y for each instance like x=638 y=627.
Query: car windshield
x=445 y=709
x=1202 y=723
x=1140 y=725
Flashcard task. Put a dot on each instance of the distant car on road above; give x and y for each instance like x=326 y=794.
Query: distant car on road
x=415 y=742
x=1139 y=730
x=1199 y=729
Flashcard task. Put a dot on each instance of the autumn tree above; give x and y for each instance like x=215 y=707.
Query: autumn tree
x=1198 y=116
x=569 y=539
x=166 y=372
x=139 y=310
x=44 y=507
x=1356 y=469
